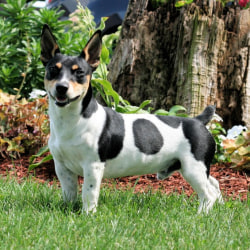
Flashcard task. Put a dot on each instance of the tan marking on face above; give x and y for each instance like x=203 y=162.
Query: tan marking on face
x=81 y=89
x=75 y=67
x=59 y=65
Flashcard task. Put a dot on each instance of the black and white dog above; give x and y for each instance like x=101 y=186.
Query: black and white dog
x=96 y=142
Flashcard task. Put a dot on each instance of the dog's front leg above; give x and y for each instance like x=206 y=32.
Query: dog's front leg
x=68 y=182
x=93 y=174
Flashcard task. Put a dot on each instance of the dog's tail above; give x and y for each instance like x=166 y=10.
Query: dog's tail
x=206 y=116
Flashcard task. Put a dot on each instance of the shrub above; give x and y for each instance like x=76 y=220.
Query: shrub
x=24 y=126
x=238 y=150
x=218 y=133
x=20 y=29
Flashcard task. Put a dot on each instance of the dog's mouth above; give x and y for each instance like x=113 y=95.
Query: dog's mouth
x=63 y=100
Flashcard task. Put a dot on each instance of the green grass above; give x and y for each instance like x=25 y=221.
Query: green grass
x=33 y=216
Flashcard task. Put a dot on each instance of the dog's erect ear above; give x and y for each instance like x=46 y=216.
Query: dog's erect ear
x=49 y=46
x=92 y=51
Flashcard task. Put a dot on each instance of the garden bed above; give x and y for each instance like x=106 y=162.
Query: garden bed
x=234 y=184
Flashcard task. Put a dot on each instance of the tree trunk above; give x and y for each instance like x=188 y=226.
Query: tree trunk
x=193 y=56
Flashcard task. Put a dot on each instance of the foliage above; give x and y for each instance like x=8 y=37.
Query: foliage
x=238 y=150
x=20 y=29
x=182 y=3
x=42 y=151
x=20 y=41
x=24 y=126
x=218 y=132
x=242 y=3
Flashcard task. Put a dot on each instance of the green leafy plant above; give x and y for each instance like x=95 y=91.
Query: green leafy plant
x=24 y=126
x=42 y=151
x=20 y=29
x=238 y=150
x=182 y=3
x=218 y=132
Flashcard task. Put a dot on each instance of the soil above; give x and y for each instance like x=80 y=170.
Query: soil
x=234 y=184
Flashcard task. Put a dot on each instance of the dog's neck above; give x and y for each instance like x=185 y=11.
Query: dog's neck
x=89 y=104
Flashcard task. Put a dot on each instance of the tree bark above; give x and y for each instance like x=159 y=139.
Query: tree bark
x=193 y=56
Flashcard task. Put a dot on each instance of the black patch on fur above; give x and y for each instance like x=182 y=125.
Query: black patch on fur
x=89 y=104
x=147 y=137
x=171 y=121
x=111 y=139
x=202 y=142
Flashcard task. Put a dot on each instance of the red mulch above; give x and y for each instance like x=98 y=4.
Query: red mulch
x=234 y=184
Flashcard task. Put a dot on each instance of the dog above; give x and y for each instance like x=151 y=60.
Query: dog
x=90 y=140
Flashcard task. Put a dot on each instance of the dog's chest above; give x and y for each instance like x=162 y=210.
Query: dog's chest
x=74 y=143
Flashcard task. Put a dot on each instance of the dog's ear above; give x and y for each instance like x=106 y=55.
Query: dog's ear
x=92 y=51
x=49 y=46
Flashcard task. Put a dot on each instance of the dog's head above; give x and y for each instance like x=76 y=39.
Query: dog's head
x=67 y=78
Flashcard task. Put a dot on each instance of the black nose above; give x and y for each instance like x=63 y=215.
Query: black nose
x=62 y=88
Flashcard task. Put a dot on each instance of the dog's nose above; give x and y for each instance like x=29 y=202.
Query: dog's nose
x=62 y=88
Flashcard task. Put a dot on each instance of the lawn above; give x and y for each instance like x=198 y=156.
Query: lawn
x=33 y=216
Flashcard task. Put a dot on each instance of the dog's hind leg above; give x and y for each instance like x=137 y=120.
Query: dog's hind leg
x=91 y=187
x=195 y=174
x=215 y=186
x=170 y=168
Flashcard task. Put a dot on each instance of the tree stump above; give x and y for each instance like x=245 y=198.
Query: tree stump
x=192 y=56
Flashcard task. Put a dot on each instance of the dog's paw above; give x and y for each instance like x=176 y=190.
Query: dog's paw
x=87 y=209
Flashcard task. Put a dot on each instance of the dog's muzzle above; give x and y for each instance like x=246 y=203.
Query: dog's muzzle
x=62 y=100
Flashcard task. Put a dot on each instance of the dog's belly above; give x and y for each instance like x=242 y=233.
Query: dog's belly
x=135 y=165
x=112 y=171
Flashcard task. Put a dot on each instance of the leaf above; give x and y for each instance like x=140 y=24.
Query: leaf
x=108 y=89
x=3 y=142
x=41 y=151
x=45 y=159
x=177 y=110
x=244 y=150
x=240 y=140
x=102 y=24
x=229 y=145
x=179 y=4
x=243 y=163
x=105 y=54
x=13 y=147
x=134 y=109
x=2 y=115
x=216 y=131
x=161 y=112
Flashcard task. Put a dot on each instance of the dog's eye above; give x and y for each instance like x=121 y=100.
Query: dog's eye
x=79 y=73
x=53 y=71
